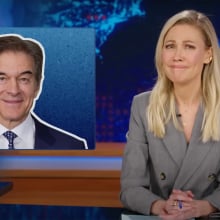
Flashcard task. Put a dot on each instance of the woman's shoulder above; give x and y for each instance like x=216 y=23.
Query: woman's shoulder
x=143 y=96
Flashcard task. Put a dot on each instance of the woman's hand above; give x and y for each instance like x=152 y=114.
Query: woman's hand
x=185 y=207
x=178 y=202
x=172 y=205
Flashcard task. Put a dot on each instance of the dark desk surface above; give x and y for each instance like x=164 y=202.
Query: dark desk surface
x=36 y=212
x=45 y=212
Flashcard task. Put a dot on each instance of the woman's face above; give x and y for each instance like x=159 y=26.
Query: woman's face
x=184 y=54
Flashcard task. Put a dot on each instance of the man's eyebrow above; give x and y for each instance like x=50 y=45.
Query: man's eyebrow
x=22 y=73
x=26 y=72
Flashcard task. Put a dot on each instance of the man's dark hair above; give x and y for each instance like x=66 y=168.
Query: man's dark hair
x=16 y=44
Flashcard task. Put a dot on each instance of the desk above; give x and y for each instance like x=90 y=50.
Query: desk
x=138 y=217
x=85 y=178
x=41 y=212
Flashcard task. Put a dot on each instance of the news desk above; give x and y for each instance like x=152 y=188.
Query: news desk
x=88 y=178
x=81 y=185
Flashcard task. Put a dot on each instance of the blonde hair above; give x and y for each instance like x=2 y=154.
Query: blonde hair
x=161 y=107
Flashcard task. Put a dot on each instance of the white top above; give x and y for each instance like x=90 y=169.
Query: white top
x=25 y=135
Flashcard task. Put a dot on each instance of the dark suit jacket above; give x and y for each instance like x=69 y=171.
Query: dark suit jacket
x=49 y=138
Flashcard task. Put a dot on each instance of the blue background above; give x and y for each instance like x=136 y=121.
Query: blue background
x=67 y=99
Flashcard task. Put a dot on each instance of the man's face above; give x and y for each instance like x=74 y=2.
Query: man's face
x=18 y=87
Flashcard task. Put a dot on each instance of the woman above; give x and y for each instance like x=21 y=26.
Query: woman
x=171 y=163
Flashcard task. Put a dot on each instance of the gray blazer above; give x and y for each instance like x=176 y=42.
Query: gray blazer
x=152 y=166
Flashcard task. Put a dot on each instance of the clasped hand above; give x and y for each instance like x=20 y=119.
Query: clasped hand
x=180 y=206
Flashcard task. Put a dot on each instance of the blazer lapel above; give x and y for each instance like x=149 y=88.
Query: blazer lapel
x=175 y=143
x=43 y=139
x=197 y=150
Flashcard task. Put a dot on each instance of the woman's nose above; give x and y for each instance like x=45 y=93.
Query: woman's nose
x=178 y=54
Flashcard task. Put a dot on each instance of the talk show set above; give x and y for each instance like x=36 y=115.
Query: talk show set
x=109 y=110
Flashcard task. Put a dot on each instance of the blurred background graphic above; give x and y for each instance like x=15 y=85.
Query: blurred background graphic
x=126 y=34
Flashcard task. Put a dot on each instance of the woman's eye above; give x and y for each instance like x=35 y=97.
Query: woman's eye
x=190 y=46
x=169 y=46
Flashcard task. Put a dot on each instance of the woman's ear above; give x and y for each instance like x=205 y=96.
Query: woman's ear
x=209 y=56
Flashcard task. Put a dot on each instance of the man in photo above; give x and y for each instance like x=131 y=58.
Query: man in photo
x=21 y=75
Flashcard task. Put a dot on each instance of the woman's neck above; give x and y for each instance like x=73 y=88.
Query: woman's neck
x=187 y=97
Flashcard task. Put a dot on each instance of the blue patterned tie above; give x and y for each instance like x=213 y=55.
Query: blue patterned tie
x=10 y=136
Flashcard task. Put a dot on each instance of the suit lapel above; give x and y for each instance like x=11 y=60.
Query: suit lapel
x=42 y=136
x=175 y=143
x=194 y=157
x=197 y=150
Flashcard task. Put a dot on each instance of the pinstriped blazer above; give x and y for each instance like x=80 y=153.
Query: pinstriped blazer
x=152 y=166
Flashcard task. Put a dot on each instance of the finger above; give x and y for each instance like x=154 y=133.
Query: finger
x=174 y=202
x=180 y=192
x=190 y=194
x=182 y=197
x=171 y=206
x=174 y=207
x=176 y=191
x=177 y=205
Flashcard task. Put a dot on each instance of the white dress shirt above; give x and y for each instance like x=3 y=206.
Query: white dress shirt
x=25 y=135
